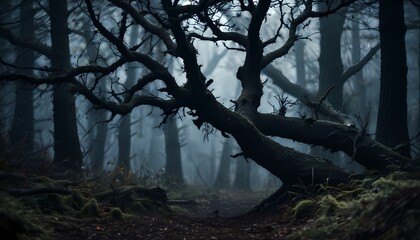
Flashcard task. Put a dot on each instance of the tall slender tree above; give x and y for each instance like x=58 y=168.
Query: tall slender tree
x=330 y=62
x=392 y=126
x=223 y=172
x=417 y=5
x=22 y=130
x=124 y=129
x=67 y=153
x=4 y=51
x=300 y=63
x=173 y=165
x=358 y=83
x=97 y=124
x=242 y=175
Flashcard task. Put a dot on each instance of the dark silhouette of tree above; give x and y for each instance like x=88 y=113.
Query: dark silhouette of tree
x=173 y=163
x=67 y=153
x=360 y=96
x=97 y=118
x=330 y=62
x=242 y=175
x=22 y=130
x=124 y=129
x=223 y=172
x=392 y=129
x=300 y=63
x=418 y=69
x=330 y=65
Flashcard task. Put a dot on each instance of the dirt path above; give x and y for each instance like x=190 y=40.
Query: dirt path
x=167 y=227
x=208 y=219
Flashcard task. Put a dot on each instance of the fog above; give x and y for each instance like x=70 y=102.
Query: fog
x=201 y=149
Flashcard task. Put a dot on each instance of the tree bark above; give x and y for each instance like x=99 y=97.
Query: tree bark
x=173 y=165
x=330 y=67
x=392 y=129
x=330 y=63
x=67 y=153
x=336 y=137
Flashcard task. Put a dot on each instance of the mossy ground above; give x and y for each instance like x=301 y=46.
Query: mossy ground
x=375 y=207
x=386 y=207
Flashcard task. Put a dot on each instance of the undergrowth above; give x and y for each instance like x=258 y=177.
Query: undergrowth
x=386 y=207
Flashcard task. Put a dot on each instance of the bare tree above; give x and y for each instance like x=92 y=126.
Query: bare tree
x=177 y=24
x=67 y=153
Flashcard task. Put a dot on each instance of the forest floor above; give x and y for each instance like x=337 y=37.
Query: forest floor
x=378 y=206
x=220 y=218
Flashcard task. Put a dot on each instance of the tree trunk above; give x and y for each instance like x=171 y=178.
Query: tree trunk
x=22 y=130
x=97 y=125
x=67 y=153
x=4 y=86
x=124 y=130
x=99 y=142
x=155 y=153
x=223 y=173
x=173 y=165
x=242 y=178
x=124 y=143
x=300 y=63
x=360 y=100
x=330 y=67
x=418 y=70
x=212 y=159
x=392 y=129
x=330 y=63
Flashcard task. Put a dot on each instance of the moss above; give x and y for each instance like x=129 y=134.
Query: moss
x=330 y=204
x=116 y=214
x=51 y=203
x=389 y=208
x=351 y=194
x=304 y=208
x=16 y=219
x=90 y=209
x=389 y=184
x=50 y=182
x=75 y=200
x=179 y=210
x=148 y=206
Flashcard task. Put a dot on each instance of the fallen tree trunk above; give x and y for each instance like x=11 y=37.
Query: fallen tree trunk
x=334 y=136
x=286 y=163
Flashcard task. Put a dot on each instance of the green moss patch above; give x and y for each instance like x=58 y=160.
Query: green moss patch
x=387 y=208
x=17 y=221
x=90 y=209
